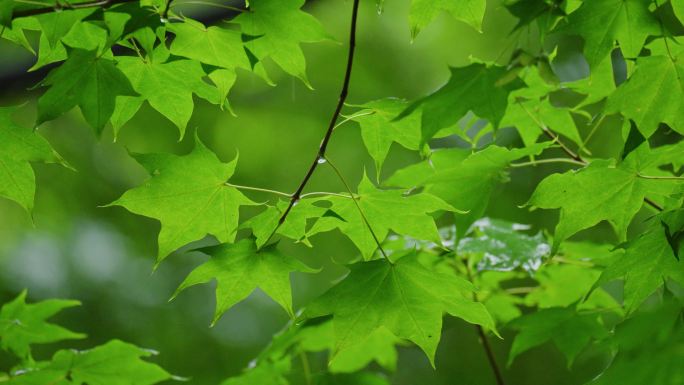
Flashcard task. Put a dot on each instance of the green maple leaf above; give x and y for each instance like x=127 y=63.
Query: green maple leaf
x=114 y=363
x=280 y=27
x=295 y=225
x=569 y=331
x=406 y=298
x=57 y=28
x=463 y=179
x=88 y=80
x=167 y=86
x=240 y=268
x=647 y=262
x=385 y=210
x=55 y=25
x=189 y=196
x=219 y=47
x=22 y=324
x=602 y=22
x=423 y=12
x=479 y=88
x=18 y=147
x=654 y=94
x=379 y=129
x=600 y=191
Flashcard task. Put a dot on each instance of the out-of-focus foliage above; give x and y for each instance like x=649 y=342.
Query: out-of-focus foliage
x=115 y=362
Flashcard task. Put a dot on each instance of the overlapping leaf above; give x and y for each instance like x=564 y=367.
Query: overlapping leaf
x=569 y=331
x=296 y=223
x=167 y=86
x=602 y=22
x=216 y=46
x=379 y=129
x=599 y=192
x=240 y=268
x=654 y=94
x=650 y=349
x=479 y=88
x=463 y=179
x=405 y=298
x=279 y=27
x=385 y=210
x=648 y=261
x=424 y=11
x=87 y=80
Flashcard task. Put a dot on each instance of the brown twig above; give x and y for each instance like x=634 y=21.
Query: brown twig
x=320 y=156
x=483 y=337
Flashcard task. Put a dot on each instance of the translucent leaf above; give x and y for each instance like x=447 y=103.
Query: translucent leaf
x=189 y=196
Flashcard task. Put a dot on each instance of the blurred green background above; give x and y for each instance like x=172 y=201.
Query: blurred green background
x=103 y=256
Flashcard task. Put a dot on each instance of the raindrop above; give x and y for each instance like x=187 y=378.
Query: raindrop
x=163 y=20
x=321 y=160
x=380 y=6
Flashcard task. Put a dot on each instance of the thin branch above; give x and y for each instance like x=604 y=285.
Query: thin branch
x=209 y=3
x=550 y=160
x=320 y=156
x=520 y=290
x=653 y=204
x=305 y=366
x=165 y=12
x=276 y=192
x=318 y=193
x=352 y=117
x=62 y=7
x=284 y=194
x=670 y=177
x=363 y=216
x=553 y=136
x=483 y=337
x=572 y=261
